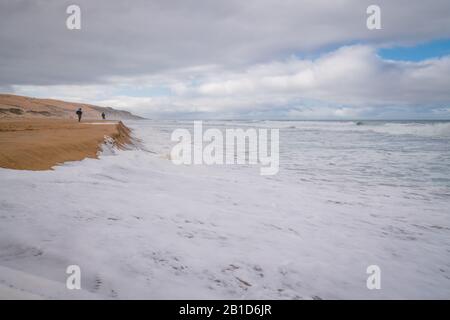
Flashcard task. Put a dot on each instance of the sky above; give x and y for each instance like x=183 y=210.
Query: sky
x=233 y=59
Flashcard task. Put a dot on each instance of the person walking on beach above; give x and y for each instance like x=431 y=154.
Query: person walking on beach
x=103 y=116
x=79 y=114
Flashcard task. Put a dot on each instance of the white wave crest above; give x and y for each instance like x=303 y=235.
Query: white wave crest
x=437 y=129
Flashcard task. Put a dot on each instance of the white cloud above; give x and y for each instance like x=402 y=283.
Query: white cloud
x=350 y=75
x=350 y=82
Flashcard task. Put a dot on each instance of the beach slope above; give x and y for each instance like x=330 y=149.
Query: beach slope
x=40 y=144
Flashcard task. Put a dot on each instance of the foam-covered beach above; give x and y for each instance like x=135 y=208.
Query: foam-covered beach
x=346 y=197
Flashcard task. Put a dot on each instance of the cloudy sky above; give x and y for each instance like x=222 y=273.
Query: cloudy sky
x=283 y=59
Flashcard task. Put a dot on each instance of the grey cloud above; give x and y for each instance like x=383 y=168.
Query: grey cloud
x=139 y=38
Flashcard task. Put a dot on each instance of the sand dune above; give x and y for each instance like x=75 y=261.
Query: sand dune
x=13 y=106
x=39 y=144
x=37 y=134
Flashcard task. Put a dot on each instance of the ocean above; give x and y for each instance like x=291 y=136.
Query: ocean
x=348 y=195
x=412 y=157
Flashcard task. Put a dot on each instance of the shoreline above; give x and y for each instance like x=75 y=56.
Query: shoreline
x=41 y=144
x=139 y=226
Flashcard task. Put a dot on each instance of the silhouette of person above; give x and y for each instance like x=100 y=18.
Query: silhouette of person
x=79 y=114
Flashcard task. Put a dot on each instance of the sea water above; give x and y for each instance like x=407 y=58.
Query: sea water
x=348 y=195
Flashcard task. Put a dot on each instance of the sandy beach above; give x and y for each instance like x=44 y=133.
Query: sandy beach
x=40 y=144
x=225 y=159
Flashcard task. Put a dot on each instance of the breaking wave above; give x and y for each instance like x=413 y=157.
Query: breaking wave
x=435 y=129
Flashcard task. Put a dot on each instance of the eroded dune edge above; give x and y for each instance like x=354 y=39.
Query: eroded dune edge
x=40 y=144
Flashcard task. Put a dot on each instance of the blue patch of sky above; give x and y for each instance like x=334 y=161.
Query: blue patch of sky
x=419 y=52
